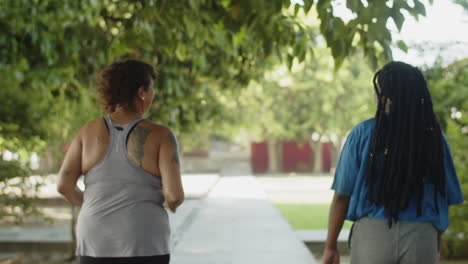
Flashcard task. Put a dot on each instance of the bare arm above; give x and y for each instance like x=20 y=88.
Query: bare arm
x=441 y=251
x=338 y=210
x=70 y=172
x=169 y=165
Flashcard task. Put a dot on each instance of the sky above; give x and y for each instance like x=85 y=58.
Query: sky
x=444 y=26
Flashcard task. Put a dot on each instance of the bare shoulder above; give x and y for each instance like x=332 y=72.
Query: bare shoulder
x=166 y=140
x=92 y=127
x=157 y=130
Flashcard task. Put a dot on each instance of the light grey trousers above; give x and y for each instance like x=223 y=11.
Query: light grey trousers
x=407 y=242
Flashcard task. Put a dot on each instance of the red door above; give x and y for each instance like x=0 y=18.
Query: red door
x=297 y=157
x=326 y=156
x=259 y=156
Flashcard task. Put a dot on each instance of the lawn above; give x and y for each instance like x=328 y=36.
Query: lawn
x=307 y=216
x=315 y=217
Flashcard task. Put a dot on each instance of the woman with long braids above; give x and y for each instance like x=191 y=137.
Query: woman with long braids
x=395 y=178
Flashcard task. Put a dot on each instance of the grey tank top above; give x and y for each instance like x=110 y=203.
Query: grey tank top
x=122 y=213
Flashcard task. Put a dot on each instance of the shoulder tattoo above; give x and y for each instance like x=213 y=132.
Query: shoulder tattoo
x=137 y=143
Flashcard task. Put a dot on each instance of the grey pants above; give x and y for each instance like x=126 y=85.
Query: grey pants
x=372 y=242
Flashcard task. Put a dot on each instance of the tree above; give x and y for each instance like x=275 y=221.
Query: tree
x=224 y=43
x=463 y=3
x=51 y=49
x=312 y=98
x=449 y=90
x=21 y=132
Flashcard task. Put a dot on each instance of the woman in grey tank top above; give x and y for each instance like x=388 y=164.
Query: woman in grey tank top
x=131 y=172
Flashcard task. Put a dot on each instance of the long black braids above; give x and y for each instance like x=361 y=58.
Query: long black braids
x=406 y=148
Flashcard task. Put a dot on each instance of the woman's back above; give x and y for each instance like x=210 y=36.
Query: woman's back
x=131 y=168
x=142 y=145
x=395 y=177
x=350 y=179
x=122 y=213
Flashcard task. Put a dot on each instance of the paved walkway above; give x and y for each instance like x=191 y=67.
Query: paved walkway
x=320 y=235
x=196 y=186
x=234 y=223
x=54 y=234
x=305 y=189
x=238 y=224
x=309 y=189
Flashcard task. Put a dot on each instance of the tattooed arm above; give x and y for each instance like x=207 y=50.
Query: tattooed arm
x=70 y=172
x=169 y=165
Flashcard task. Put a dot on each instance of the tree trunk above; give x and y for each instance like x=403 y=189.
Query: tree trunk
x=274 y=156
x=318 y=166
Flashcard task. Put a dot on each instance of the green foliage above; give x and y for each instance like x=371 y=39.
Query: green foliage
x=449 y=88
x=193 y=43
x=463 y=3
x=20 y=116
x=51 y=49
x=311 y=98
x=458 y=230
x=16 y=189
x=22 y=133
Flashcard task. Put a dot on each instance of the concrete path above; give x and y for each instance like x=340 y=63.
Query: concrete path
x=309 y=189
x=238 y=224
x=234 y=223
x=306 y=189
x=320 y=235
x=195 y=186
x=54 y=234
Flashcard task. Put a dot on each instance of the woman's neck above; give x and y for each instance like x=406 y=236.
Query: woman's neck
x=123 y=117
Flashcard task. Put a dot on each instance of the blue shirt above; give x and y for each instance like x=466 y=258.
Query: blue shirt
x=350 y=180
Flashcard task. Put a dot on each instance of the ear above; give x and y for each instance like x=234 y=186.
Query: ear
x=141 y=93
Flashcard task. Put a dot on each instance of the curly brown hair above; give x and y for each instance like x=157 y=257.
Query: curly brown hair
x=118 y=83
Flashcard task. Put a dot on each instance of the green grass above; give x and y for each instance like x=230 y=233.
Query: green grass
x=307 y=216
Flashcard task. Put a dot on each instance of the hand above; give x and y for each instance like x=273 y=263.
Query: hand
x=331 y=256
x=440 y=254
x=168 y=207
